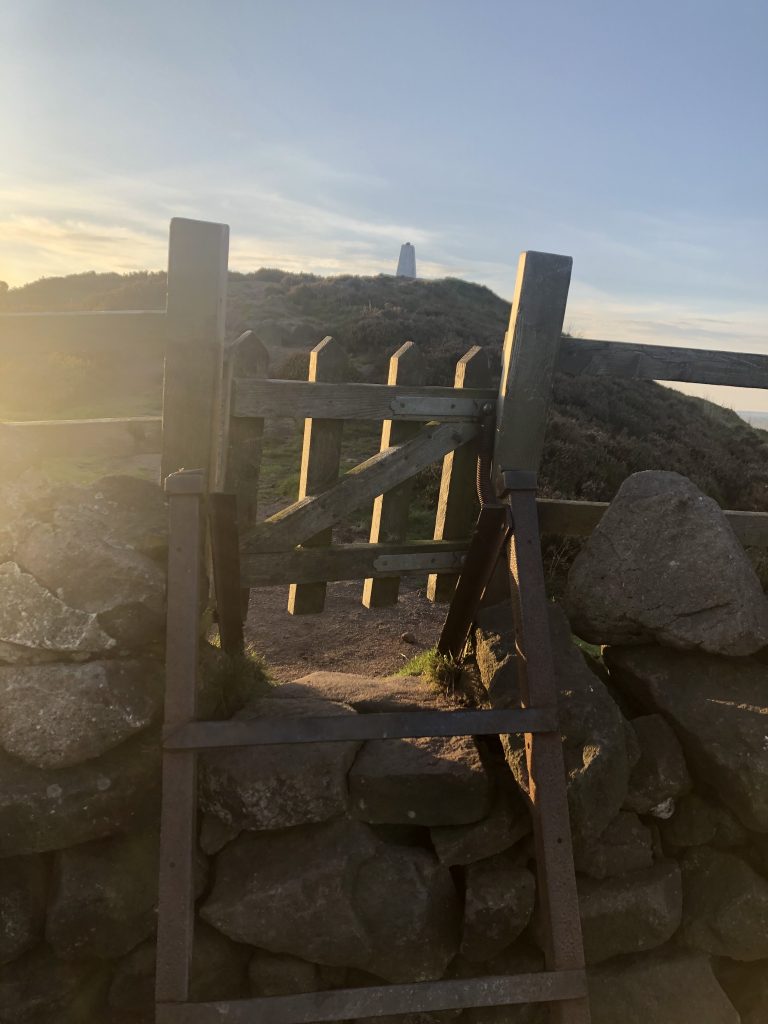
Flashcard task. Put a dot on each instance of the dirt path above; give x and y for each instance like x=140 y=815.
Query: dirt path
x=346 y=637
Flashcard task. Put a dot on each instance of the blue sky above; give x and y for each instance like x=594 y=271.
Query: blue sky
x=630 y=136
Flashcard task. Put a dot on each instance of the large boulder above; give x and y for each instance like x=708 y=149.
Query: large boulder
x=516 y=959
x=663 y=564
x=625 y=845
x=56 y=715
x=268 y=787
x=495 y=650
x=104 y=895
x=44 y=809
x=630 y=913
x=22 y=905
x=663 y=987
x=506 y=823
x=32 y=618
x=746 y=985
x=661 y=775
x=725 y=905
x=498 y=904
x=337 y=895
x=277 y=974
x=433 y=780
x=717 y=707
x=122 y=587
x=594 y=738
x=41 y=989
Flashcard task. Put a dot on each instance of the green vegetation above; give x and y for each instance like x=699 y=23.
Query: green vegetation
x=600 y=430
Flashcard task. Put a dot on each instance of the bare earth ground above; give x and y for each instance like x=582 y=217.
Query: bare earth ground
x=346 y=637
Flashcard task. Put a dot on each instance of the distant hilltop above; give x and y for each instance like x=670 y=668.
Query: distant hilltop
x=406 y=265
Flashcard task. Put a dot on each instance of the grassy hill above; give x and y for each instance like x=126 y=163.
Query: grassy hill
x=600 y=430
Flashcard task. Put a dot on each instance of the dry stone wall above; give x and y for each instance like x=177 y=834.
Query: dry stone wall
x=389 y=861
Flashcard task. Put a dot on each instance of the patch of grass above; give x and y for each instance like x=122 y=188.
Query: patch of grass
x=592 y=649
x=438 y=670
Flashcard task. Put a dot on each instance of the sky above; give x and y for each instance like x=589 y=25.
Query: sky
x=630 y=136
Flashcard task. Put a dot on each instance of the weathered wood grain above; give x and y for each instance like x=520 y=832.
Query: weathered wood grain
x=243 y=439
x=358 y=487
x=389 y=521
x=197 y=288
x=320 y=459
x=350 y=562
x=276 y=398
x=662 y=362
x=528 y=362
x=456 y=506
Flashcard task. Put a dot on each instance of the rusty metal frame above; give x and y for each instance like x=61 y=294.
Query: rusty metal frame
x=563 y=984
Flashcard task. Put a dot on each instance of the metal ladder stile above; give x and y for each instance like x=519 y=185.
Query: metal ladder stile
x=562 y=984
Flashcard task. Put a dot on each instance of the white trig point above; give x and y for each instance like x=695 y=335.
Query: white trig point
x=406 y=265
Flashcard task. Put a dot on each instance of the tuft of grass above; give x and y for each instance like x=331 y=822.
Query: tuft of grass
x=438 y=670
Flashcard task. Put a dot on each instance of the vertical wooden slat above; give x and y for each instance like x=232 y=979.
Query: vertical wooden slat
x=390 y=510
x=320 y=459
x=248 y=357
x=544 y=753
x=176 y=913
x=225 y=556
x=456 y=506
x=197 y=288
x=530 y=352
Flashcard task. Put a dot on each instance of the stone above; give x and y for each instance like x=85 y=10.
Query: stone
x=57 y=715
x=392 y=911
x=594 y=739
x=626 y=845
x=31 y=617
x=40 y=989
x=277 y=974
x=693 y=823
x=665 y=987
x=495 y=651
x=122 y=587
x=661 y=773
x=214 y=834
x=367 y=694
x=507 y=822
x=428 y=781
x=664 y=565
x=746 y=985
x=725 y=905
x=45 y=809
x=22 y=905
x=104 y=896
x=217 y=971
x=630 y=913
x=717 y=707
x=498 y=904
x=122 y=510
x=269 y=787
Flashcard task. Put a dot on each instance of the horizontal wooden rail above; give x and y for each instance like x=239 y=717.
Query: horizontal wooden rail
x=579 y=518
x=382 y=1000
x=316 y=400
x=578 y=356
x=351 y=562
x=137 y=435
x=386 y=725
x=361 y=561
x=141 y=331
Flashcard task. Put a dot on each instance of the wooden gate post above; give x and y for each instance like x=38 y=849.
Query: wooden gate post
x=320 y=461
x=528 y=362
x=390 y=511
x=197 y=289
x=456 y=507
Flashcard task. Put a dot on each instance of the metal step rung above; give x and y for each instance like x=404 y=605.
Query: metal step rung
x=382 y=1000
x=343 y=728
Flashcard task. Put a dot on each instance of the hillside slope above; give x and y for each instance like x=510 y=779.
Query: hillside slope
x=600 y=430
